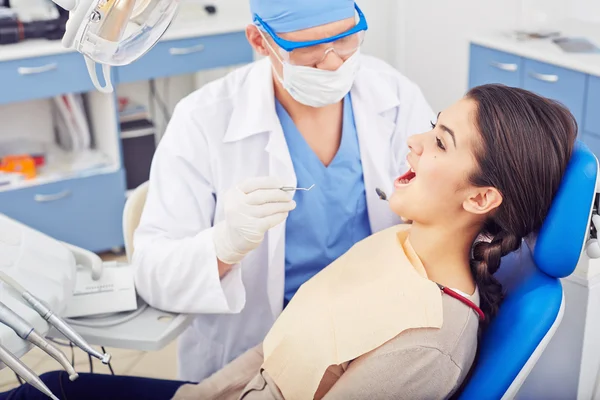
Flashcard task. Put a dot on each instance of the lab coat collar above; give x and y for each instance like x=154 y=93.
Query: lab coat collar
x=373 y=91
x=254 y=107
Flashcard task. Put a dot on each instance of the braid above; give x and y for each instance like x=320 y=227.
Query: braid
x=485 y=263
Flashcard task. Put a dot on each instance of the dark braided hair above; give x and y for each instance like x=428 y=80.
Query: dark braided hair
x=526 y=142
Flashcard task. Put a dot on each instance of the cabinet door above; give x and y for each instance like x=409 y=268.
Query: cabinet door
x=86 y=212
x=593 y=142
x=41 y=77
x=493 y=66
x=563 y=85
x=592 y=108
x=185 y=56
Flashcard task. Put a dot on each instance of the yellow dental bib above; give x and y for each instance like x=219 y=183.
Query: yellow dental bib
x=371 y=294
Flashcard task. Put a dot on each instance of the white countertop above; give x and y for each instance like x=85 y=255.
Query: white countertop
x=187 y=24
x=545 y=51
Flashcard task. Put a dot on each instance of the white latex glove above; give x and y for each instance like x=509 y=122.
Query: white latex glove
x=251 y=209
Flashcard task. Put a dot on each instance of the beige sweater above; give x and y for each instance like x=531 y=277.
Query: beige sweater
x=417 y=364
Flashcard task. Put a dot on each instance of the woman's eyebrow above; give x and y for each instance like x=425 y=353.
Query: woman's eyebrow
x=445 y=128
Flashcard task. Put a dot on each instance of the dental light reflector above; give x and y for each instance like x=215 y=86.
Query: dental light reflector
x=115 y=32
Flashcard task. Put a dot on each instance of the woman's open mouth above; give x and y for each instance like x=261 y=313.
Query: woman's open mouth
x=405 y=179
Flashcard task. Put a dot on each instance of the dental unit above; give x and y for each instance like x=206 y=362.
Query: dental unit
x=54 y=320
x=24 y=372
x=26 y=332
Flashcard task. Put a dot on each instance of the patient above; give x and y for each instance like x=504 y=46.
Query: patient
x=481 y=180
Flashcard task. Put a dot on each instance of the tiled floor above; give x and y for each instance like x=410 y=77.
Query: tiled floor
x=160 y=364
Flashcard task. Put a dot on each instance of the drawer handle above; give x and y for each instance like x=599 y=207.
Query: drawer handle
x=180 y=51
x=46 y=198
x=544 y=77
x=505 y=67
x=36 y=70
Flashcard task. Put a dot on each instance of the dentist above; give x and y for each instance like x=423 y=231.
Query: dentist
x=218 y=238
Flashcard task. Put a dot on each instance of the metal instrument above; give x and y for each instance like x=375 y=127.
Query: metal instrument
x=293 y=189
x=26 y=332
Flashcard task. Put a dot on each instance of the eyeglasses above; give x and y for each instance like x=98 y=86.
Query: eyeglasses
x=313 y=52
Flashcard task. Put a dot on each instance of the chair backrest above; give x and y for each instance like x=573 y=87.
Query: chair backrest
x=533 y=306
x=132 y=214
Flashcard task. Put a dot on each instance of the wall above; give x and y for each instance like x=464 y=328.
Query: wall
x=432 y=37
x=379 y=40
x=587 y=10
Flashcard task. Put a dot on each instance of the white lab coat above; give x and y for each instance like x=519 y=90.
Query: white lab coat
x=218 y=136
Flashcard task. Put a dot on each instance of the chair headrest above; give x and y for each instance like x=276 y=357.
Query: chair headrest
x=561 y=239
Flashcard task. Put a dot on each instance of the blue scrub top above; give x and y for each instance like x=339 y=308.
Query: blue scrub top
x=333 y=216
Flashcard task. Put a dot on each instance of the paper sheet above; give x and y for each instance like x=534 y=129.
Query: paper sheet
x=362 y=300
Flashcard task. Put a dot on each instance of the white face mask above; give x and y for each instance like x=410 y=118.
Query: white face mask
x=316 y=87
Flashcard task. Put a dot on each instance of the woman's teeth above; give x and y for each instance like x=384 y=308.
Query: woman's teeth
x=407 y=177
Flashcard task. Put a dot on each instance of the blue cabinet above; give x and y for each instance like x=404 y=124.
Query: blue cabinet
x=493 y=66
x=563 y=85
x=176 y=57
x=592 y=109
x=86 y=212
x=42 y=77
x=578 y=91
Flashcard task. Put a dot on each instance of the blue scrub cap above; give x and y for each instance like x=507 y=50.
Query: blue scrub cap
x=294 y=15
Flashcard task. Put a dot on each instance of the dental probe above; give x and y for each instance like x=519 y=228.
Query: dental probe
x=24 y=372
x=292 y=189
x=57 y=322
x=26 y=332
x=381 y=194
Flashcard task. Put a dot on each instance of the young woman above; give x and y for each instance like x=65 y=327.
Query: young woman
x=480 y=181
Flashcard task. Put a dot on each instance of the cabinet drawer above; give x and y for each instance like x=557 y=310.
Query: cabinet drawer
x=41 y=77
x=592 y=110
x=593 y=142
x=86 y=212
x=493 y=66
x=563 y=85
x=175 y=57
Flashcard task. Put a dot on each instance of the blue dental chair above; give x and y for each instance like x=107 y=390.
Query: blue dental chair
x=534 y=303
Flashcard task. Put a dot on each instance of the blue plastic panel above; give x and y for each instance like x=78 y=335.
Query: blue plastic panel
x=557 y=83
x=560 y=241
x=176 y=57
x=42 y=77
x=592 y=109
x=530 y=309
x=493 y=66
x=86 y=212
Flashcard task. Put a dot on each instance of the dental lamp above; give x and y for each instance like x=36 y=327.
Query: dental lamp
x=114 y=32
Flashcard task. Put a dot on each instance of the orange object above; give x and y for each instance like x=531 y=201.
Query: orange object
x=20 y=164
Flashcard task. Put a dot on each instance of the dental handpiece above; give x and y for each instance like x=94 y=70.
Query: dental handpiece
x=63 y=327
x=24 y=372
x=57 y=322
x=26 y=332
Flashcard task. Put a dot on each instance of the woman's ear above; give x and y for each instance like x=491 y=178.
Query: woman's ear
x=483 y=200
x=256 y=40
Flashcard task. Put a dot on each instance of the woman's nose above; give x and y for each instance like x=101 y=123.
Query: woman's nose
x=415 y=143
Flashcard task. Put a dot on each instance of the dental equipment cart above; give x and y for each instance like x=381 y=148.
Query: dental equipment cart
x=47 y=268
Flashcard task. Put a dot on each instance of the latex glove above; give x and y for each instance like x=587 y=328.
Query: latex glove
x=251 y=209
